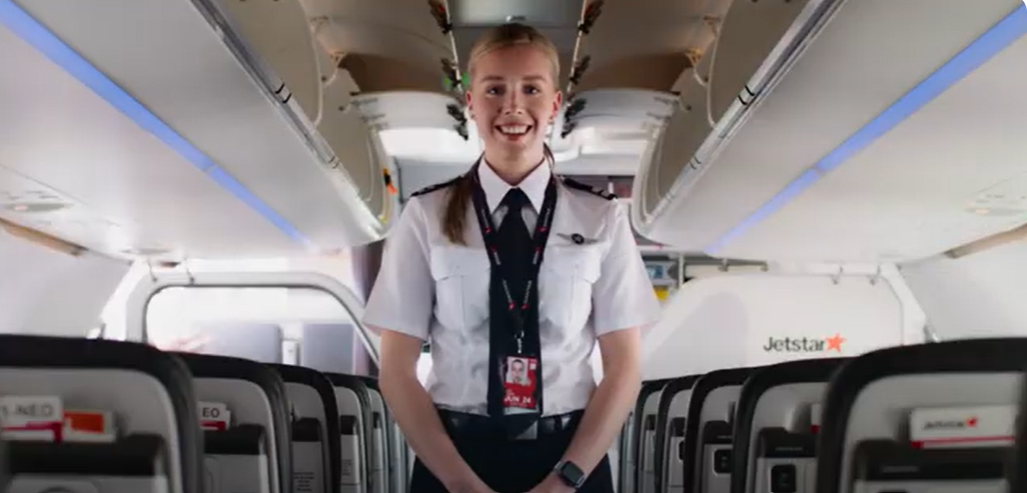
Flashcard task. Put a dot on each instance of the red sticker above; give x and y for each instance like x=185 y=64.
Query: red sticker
x=519 y=382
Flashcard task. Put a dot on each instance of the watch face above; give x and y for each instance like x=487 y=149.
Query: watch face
x=572 y=474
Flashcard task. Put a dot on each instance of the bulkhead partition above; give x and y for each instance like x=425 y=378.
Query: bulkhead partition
x=938 y=415
x=774 y=444
x=145 y=396
x=255 y=396
x=260 y=342
x=708 y=430
x=315 y=451
x=669 y=435
x=354 y=408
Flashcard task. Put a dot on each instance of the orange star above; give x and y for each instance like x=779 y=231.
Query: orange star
x=835 y=343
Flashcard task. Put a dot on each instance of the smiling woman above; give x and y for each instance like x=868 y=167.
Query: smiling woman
x=508 y=269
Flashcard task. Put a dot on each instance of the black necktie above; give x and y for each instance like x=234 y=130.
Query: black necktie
x=514 y=245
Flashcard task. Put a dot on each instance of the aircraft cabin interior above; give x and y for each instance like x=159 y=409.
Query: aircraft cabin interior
x=829 y=196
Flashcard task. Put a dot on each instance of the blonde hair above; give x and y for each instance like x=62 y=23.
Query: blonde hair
x=499 y=37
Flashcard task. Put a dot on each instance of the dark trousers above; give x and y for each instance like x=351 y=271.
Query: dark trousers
x=511 y=466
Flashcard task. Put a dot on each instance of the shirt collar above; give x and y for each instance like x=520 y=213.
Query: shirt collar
x=534 y=185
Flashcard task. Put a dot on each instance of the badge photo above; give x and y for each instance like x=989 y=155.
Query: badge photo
x=519 y=382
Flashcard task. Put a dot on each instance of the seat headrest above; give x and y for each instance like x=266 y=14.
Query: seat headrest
x=980 y=356
x=42 y=352
x=320 y=383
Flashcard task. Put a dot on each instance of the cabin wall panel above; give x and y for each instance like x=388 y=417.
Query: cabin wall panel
x=43 y=291
x=980 y=295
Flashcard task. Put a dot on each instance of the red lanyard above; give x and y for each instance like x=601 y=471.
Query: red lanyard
x=539 y=239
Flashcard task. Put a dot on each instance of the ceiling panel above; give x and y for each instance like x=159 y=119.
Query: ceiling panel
x=912 y=193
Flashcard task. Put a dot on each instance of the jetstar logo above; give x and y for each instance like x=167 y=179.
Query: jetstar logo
x=951 y=424
x=804 y=344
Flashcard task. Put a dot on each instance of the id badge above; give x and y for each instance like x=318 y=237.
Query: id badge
x=519 y=381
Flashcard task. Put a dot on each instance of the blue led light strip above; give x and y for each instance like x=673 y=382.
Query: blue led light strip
x=998 y=38
x=38 y=36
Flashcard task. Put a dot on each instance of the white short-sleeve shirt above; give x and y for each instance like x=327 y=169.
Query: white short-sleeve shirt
x=592 y=281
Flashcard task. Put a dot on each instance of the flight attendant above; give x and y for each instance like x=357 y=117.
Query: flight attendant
x=513 y=274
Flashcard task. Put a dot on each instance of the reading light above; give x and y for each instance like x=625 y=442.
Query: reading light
x=991 y=43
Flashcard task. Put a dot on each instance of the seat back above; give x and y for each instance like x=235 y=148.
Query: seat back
x=669 y=435
x=924 y=417
x=379 y=438
x=774 y=445
x=708 y=430
x=354 y=408
x=316 y=456
x=634 y=434
x=143 y=399
x=254 y=447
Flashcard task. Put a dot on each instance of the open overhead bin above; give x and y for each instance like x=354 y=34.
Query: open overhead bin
x=611 y=114
x=642 y=44
x=388 y=45
x=830 y=117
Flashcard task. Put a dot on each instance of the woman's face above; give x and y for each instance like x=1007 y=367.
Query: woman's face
x=513 y=98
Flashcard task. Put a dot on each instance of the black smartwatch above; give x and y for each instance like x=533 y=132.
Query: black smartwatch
x=570 y=474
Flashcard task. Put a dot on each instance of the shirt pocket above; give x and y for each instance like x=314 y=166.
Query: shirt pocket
x=565 y=283
x=461 y=277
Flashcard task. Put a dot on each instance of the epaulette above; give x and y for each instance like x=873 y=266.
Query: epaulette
x=577 y=185
x=437 y=186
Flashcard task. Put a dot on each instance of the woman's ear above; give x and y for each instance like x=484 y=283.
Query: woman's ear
x=557 y=103
x=470 y=107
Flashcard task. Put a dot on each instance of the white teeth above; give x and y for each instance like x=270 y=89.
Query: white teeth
x=514 y=129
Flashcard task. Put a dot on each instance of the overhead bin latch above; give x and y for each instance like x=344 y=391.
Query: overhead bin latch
x=438 y=11
x=452 y=75
x=588 y=19
x=574 y=108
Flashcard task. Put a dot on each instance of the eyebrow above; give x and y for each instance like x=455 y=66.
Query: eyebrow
x=499 y=78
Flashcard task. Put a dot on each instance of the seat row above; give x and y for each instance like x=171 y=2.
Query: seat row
x=929 y=417
x=109 y=416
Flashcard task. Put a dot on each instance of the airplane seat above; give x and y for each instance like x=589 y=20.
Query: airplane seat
x=1019 y=480
x=380 y=425
x=709 y=430
x=749 y=34
x=669 y=435
x=927 y=417
x=635 y=433
x=97 y=414
x=244 y=412
x=354 y=403
x=776 y=417
x=316 y=458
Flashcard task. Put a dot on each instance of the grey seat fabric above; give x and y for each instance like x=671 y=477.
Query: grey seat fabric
x=879 y=407
x=669 y=435
x=316 y=452
x=774 y=444
x=149 y=392
x=256 y=396
x=708 y=430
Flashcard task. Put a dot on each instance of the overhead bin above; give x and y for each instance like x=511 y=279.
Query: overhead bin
x=357 y=147
x=386 y=45
x=620 y=111
x=847 y=110
x=279 y=33
x=749 y=33
x=642 y=44
x=409 y=109
x=672 y=154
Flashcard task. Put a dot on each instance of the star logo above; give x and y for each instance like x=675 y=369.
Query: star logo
x=835 y=343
